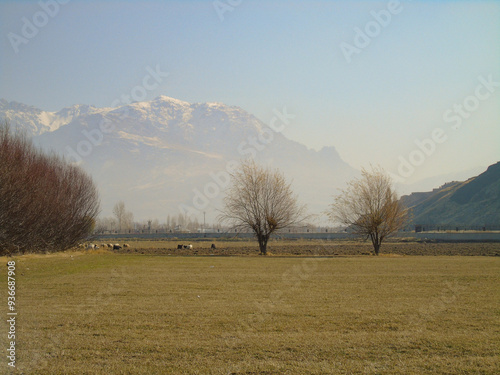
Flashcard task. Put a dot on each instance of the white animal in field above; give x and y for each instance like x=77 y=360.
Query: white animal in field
x=92 y=246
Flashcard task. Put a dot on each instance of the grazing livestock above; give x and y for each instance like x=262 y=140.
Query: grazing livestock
x=116 y=246
x=103 y=245
x=189 y=247
x=92 y=246
x=213 y=246
x=110 y=245
x=126 y=245
x=179 y=247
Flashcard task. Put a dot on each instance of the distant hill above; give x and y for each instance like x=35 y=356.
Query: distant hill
x=475 y=202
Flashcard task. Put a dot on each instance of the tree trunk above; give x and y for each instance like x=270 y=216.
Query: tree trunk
x=376 y=242
x=263 y=245
x=376 y=247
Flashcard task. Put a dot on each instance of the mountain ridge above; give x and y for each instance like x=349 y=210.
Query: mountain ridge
x=474 y=202
x=161 y=156
x=37 y=121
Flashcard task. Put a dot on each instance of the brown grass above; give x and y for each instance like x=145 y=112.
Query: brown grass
x=85 y=313
x=302 y=247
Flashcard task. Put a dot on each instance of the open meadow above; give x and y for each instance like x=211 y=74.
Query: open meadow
x=105 y=313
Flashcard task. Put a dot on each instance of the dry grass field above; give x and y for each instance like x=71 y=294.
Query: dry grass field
x=303 y=247
x=106 y=313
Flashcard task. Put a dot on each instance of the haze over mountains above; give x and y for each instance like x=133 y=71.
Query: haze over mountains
x=168 y=156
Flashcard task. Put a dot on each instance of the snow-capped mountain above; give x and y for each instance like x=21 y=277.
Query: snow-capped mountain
x=35 y=121
x=167 y=156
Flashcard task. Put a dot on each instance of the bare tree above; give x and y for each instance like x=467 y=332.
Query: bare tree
x=119 y=212
x=129 y=221
x=369 y=206
x=46 y=204
x=123 y=217
x=260 y=199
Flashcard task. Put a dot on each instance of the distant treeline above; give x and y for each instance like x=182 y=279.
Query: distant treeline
x=455 y=227
x=140 y=228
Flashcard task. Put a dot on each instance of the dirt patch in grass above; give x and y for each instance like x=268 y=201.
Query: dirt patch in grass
x=326 y=249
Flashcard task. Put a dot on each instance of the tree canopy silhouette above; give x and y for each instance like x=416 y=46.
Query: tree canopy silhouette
x=369 y=206
x=46 y=204
x=260 y=199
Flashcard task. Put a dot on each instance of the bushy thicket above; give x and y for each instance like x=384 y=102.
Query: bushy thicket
x=46 y=204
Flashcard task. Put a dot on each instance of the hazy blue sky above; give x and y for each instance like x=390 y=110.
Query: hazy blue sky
x=262 y=55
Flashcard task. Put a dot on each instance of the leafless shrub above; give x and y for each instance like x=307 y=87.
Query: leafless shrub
x=46 y=204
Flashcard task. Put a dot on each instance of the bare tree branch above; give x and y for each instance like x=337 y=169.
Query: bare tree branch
x=261 y=200
x=369 y=206
x=46 y=204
